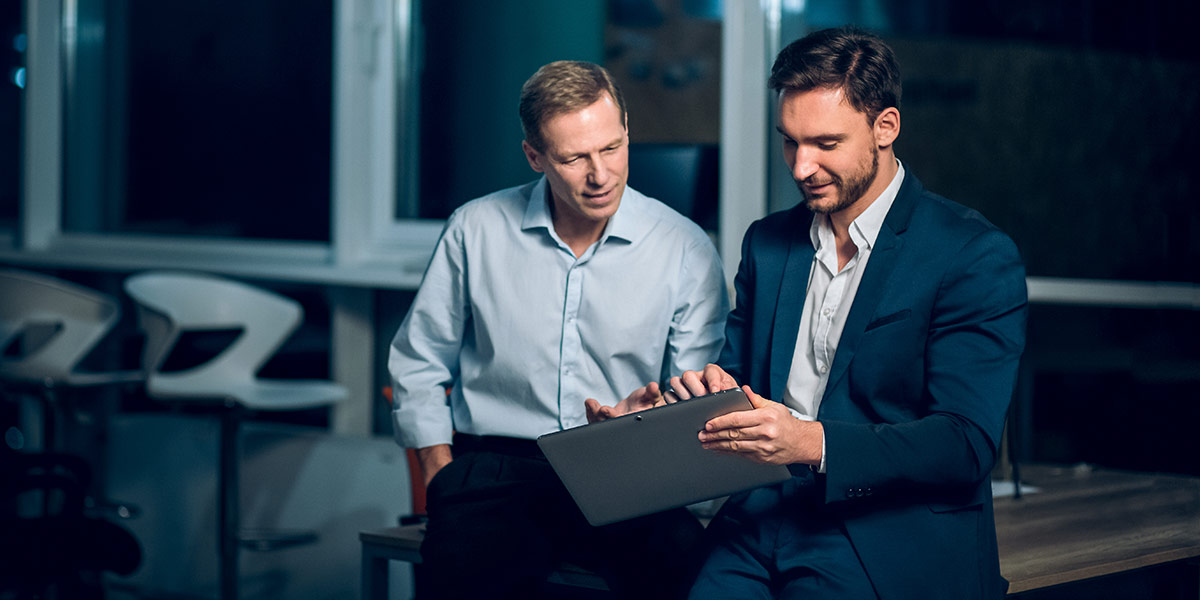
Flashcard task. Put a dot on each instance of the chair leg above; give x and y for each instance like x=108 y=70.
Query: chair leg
x=228 y=510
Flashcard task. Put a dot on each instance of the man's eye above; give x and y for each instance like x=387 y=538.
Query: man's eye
x=829 y=146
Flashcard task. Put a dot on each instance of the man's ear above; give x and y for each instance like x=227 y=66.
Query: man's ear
x=533 y=156
x=887 y=127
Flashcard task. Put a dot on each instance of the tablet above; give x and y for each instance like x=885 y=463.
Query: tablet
x=649 y=461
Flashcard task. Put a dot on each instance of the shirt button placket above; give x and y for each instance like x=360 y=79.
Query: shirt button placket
x=569 y=352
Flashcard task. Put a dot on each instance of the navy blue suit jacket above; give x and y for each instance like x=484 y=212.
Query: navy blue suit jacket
x=918 y=390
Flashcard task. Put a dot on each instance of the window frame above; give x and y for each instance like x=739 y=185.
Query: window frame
x=374 y=62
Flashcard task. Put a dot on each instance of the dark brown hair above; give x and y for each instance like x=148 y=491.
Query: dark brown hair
x=854 y=61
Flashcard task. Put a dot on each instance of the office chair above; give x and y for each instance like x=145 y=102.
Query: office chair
x=52 y=547
x=47 y=327
x=172 y=303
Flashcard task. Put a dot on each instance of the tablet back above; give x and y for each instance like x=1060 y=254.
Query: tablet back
x=650 y=461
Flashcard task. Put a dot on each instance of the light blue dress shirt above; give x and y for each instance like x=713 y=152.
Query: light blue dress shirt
x=521 y=331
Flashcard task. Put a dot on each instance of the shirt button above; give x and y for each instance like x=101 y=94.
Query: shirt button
x=824 y=369
x=826 y=312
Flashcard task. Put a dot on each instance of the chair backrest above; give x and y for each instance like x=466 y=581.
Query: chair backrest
x=170 y=303
x=70 y=319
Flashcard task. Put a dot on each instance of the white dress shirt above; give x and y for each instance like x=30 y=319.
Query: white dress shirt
x=827 y=303
x=521 y=331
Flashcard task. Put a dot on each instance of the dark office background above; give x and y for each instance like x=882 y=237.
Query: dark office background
x=1069 y=124
x=12 y=42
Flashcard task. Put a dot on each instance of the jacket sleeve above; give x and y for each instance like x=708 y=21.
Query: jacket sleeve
x=964 y=380
x=735 y=355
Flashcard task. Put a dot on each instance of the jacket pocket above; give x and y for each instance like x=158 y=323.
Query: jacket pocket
x=945 y=507
x=886 y=319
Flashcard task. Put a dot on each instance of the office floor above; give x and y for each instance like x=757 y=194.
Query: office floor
x=292 y=478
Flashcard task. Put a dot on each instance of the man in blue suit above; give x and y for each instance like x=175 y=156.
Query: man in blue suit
x=887 y=323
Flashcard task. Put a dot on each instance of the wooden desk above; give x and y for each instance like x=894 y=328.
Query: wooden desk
x=1087 y=523
x=1082 y=524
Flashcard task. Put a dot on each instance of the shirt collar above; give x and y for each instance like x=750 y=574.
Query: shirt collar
x=537 y=212
x=626 y=224
x=864 y=229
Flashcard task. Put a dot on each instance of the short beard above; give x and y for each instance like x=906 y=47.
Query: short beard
x=848 y=192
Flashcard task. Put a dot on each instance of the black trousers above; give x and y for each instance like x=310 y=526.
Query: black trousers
x=500 y=520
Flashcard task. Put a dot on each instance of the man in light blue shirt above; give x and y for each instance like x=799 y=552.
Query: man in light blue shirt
x=571 y=288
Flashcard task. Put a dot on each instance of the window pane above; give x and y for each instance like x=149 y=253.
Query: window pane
x=200 y=118
x=477 y=53
x=12 y=63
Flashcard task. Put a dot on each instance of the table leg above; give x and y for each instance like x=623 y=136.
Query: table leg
x=374 y=574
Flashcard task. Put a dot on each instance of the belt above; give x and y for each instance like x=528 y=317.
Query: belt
x=509 y=446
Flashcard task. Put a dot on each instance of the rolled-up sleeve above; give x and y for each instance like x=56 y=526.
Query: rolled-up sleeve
x=424 y=355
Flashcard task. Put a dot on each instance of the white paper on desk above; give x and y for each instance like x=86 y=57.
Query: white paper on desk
x=1001 y=488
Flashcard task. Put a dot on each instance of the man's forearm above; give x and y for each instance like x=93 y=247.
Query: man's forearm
x=432 y=459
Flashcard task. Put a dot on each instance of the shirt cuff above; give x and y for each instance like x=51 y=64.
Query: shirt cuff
x=422 y=419
x=821 y=468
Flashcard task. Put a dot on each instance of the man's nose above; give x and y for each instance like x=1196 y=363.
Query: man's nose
x=599 y=172
x=805 y=165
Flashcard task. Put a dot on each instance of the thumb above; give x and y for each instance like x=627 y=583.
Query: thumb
x=755 y=400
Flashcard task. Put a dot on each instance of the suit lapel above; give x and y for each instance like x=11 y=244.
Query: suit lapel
x=874 y=282
x=789 y=305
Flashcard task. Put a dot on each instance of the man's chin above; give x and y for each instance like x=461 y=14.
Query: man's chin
x=598 y=211
x=823 y=205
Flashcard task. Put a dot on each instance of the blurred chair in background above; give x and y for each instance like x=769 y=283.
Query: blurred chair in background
x=51 y=546
x=47 y=327
x=174 y=303
x=55 y=542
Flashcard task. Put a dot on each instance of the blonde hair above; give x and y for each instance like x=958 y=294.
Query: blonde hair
x=561 y=87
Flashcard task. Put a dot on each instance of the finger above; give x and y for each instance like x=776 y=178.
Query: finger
x=679 y=389
x=755 y=400
x=739 y=434
x=651 y=394
x=670 y=398
x=591 y=408
x=693 y=382
x=736 y=449
x=603 y=413
x=738 y=419
x=717 y=379
x=636 y=395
